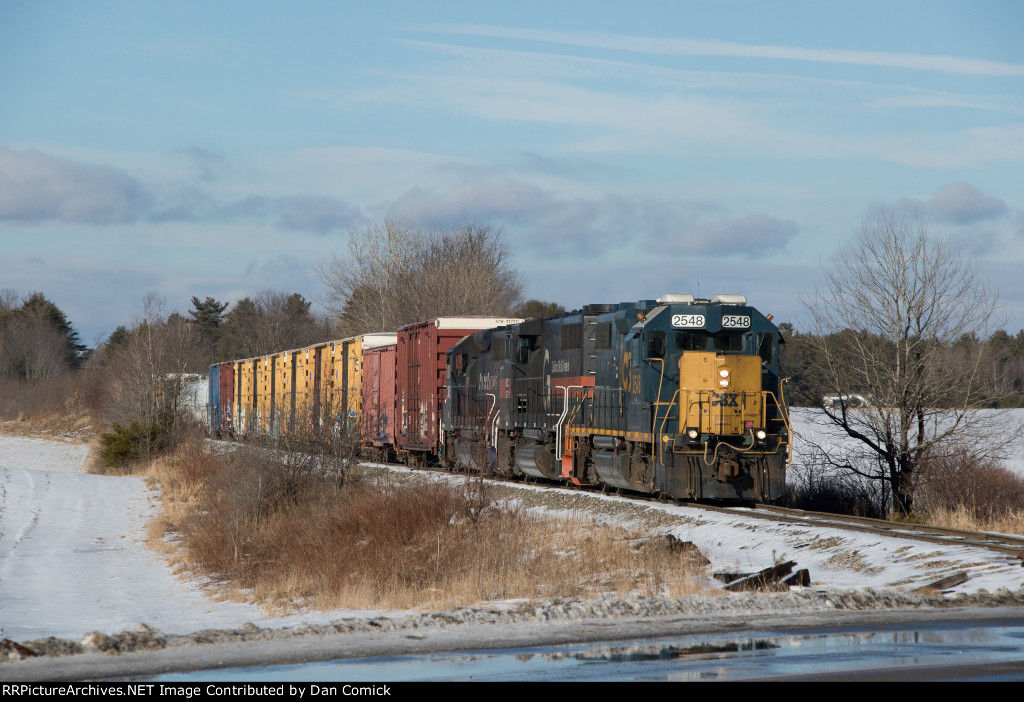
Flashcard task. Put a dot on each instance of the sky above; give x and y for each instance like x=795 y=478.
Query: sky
x=623 y=150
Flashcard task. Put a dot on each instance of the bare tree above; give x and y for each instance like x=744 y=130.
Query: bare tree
x=36 y=339
x=886 y=327
x=35 y=351
x=146 y=378
x=394 y=274
x=269 y=322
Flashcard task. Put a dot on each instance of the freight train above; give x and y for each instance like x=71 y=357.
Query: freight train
x=679 y=396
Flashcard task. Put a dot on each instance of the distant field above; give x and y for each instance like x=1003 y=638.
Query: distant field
x=811 y=428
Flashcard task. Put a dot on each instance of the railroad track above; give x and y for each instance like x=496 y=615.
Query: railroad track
x=1003 y=543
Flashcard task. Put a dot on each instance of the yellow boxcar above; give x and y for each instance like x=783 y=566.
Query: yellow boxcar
x=308 y=389
x=306 y=373
x=245 y=396
x=264 y=395
x=340 y=384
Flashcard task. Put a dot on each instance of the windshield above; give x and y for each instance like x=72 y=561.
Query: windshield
x=722 y=342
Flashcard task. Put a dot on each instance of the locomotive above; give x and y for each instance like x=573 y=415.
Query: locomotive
x=679 y=396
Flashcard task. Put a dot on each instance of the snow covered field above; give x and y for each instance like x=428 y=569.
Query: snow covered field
x=813 y=429
x=73 y=557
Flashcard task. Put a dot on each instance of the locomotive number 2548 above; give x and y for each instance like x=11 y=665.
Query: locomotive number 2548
x=688 y=321
x=735 y=321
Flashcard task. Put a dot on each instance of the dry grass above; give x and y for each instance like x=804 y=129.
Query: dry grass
x=959 y=492
x=369 y=544
x=58 y=416
x=968 y=519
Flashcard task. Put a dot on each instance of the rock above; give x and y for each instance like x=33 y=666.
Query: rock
x=98 y=641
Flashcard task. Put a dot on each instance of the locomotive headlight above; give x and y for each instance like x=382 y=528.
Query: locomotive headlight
x=761 y=434
x=724 y=372
x=692 y=434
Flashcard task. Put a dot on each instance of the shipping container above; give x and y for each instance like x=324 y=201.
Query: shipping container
x=225 y=409
x=421 y=367
x=213 y=401
x=379 y=395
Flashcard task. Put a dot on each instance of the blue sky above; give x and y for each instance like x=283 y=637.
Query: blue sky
x=624 y=150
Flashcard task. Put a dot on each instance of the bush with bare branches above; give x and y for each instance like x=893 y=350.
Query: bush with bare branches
x=287 y=535
x=961 y=480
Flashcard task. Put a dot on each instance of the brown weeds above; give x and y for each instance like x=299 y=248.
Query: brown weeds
x=960 y=492
x=968 y=519
x=51 y=408
x=289 y=539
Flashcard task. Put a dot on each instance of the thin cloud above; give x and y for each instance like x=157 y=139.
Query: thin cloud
x=210 y=165
x=962 y=203
x=505 y=199
x=699 y=47
x=591 y=227
x=957 y=203
x=317 y=214
x=37 y=187
x=749 y=236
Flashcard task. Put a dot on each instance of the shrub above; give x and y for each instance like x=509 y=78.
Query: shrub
x=958 y=480
x=127 y=444
x=285 y=531
x=823 y=488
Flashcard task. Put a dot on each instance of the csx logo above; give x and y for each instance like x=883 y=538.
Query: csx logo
x=630 y=375
x=725 y=399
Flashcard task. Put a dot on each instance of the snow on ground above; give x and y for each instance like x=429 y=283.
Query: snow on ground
x=73 y=557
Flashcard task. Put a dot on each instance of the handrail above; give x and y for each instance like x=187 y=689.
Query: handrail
x=661 y=429
x=558 y=424
x=494 y=424
x=785 y=420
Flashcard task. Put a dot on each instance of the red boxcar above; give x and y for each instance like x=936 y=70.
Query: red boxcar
x=227 y=395
x=378 y=390
x=421 y=365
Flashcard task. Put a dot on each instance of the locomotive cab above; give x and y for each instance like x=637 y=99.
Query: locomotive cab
x=710 y=376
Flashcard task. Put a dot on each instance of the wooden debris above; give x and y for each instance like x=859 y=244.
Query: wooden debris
x=801 y=578
x=762 y=580
x=727 y=577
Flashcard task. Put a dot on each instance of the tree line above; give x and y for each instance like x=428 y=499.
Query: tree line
x=135 y=380
x=1000 y=381
x=903 y=325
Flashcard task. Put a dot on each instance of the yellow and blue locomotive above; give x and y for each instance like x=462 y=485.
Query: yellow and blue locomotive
x=677 y=396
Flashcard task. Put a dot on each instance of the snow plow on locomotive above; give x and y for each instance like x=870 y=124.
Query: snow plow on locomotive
x=678 y=396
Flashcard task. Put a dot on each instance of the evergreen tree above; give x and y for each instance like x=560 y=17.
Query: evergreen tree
x=538 y=309
x=36 y=339
x=207 y=316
